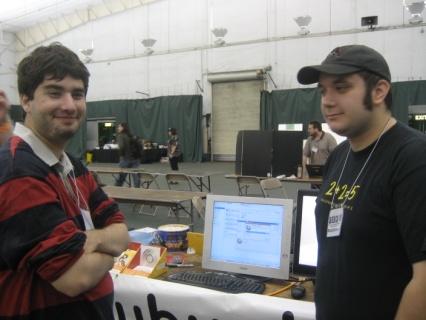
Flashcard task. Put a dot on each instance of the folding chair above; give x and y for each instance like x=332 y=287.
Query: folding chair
x=147 y=179
x=98 y=179
x=270 y=185
x=273 y=188
x=94 y=174
x=184 y=184
x=199 y=205
x=244 y=182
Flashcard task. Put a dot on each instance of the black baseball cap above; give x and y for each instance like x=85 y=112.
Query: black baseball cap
x=172 y=130
x=347 y=59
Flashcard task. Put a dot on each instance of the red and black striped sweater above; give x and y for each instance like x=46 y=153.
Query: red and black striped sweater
x=42 y=235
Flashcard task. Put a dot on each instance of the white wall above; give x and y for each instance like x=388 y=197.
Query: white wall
x=8 y=65
x=260 y=33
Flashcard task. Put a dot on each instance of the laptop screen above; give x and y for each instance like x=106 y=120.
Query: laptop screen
x=315 y=170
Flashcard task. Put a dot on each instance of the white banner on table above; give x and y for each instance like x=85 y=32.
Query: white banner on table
x=143 y=298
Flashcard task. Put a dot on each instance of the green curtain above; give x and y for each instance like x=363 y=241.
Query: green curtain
x=405 y=94
x=16 y=113
x=289 y=106
x=303 y=105
x=150 y=119
x=100 y=109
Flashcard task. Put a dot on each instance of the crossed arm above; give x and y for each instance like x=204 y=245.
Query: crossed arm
x=102 y=245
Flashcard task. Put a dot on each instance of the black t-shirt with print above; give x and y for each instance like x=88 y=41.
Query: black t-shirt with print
x=362 y=273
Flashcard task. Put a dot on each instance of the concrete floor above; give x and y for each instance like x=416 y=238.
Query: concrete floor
x=219 y=185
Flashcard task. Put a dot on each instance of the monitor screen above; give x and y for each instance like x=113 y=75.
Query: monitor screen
x=305 y=235
x=248 y=235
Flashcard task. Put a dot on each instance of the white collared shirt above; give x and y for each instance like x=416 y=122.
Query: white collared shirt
x=41 y=150
x=63 y=166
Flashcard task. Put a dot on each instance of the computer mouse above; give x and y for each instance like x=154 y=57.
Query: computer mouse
x=298 y=292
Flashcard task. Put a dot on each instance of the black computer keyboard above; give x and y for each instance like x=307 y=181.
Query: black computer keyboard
x=217 y=281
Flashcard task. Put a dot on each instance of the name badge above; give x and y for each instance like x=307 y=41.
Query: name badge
x=335 y=219
x=314 y=149
x=88 y=223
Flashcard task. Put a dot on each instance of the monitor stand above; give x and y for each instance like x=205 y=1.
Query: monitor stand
x=251 y=277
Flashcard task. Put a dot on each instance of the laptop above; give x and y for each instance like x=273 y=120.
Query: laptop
x=315 y=170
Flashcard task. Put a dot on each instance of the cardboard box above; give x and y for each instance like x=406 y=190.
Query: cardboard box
x=126 y=257
x=196 y=241
x=149 y=261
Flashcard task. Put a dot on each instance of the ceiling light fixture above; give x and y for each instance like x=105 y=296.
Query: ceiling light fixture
x=219 y=33
x=415 y=8
x=87 y=53
x=303 y=22
x=148 y=44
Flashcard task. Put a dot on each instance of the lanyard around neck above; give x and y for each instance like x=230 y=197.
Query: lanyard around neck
x=334 y=205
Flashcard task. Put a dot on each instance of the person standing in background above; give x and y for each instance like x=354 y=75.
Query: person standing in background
x=59 y=232
x=173 y=149
x=124 y=137
x=5 y=125
x=318 y=145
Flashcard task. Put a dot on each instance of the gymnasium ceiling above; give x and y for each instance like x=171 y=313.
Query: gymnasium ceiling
x=34 y=21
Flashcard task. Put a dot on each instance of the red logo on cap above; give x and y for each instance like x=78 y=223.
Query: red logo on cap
x=336 y=52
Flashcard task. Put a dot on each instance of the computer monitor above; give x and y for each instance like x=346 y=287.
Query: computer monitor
x=248 y=235
x=315 y=170
x=305 y=235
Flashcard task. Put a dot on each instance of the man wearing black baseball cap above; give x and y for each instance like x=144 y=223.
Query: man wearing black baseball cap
x=370 y=213
x=347 y=59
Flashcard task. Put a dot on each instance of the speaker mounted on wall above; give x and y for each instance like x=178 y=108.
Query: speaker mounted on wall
x=371 y=22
